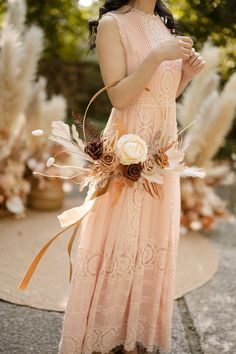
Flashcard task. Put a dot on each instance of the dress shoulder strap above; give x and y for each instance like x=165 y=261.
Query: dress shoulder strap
x=120 y=24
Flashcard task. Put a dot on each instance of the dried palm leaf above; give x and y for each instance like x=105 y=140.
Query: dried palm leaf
x=61 y=134
x=153 y=189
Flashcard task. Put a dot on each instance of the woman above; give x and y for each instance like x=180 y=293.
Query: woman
x=123 y=286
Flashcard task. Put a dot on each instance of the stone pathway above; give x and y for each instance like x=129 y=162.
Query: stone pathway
x=204 y=320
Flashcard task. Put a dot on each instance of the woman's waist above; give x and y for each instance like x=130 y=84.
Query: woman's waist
x=153 y=104
x=156 y=100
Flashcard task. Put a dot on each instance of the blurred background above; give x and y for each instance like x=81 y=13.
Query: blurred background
x=47 y=71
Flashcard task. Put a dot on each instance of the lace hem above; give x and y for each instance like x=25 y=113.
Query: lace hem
x=106 y=340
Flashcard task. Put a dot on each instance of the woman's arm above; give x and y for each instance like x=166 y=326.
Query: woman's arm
x=190 y=68
x=112 y=62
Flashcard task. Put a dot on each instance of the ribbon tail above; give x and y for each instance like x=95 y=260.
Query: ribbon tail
x=70 y=244
x=26 y=278
x=72 y=216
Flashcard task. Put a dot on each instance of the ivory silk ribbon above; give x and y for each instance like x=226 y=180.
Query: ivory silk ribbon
x=69 y=218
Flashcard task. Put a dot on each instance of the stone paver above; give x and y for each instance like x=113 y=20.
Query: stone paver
x=213 y=305
x=25 y=330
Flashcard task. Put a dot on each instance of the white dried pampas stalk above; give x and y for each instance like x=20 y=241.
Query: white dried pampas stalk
x=35 y=114
x=211 y=55
x=17 y=136
x=40 y=114
x=15 y=16
x=10 y=86
x=201 y=86
x=197 y=137
x=54 y=109
x=33 y=47
x=221 y=121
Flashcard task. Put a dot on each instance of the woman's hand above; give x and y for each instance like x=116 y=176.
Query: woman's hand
x=178 y=48
x=190 y=68
x=193 y=65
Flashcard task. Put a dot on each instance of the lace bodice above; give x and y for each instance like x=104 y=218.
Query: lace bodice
x=140 y=32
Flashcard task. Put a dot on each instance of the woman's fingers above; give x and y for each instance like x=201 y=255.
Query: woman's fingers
x=186 y=45
x=198 y=61
x=194 y=57
x=186 y=39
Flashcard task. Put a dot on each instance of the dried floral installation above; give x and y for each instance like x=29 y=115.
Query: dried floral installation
x=214 y=113
x=23 y=106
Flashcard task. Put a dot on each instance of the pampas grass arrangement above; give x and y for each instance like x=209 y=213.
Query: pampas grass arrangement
x=23 y=106
x=214 y=112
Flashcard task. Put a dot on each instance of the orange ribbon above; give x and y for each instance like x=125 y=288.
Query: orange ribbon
x=26 y=278
x=82 y=211
x=68 y=218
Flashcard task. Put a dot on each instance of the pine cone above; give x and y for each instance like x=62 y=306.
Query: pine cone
x=94 y=149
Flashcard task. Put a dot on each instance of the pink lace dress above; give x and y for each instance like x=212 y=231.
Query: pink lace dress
x=123 y=283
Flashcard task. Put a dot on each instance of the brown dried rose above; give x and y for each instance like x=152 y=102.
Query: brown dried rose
x=109 y=162
x=133 y=171
x=94 y=149
x=161 y=158
x=149 y=164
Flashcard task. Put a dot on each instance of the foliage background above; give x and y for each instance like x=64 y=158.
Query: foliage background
x=74 y=72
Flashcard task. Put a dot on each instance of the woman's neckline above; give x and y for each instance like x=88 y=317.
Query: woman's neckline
x=143 y=13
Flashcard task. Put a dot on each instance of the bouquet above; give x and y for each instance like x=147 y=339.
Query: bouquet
x=121 y=159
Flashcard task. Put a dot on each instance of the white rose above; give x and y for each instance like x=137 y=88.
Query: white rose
x=130 y=148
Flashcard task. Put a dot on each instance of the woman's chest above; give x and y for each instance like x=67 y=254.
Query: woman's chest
x=147 y=33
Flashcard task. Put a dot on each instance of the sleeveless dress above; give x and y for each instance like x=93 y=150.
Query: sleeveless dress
x=123 y=285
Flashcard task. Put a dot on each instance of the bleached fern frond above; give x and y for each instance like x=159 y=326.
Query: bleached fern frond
x=201 y=86
x=15 y=16
x=197 y=137
x=221 y=121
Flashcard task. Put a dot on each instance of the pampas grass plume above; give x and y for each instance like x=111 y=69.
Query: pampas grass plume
x=221 y=121
x=15 y=16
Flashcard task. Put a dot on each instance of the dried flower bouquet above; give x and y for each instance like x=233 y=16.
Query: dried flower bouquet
x=123 y=158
